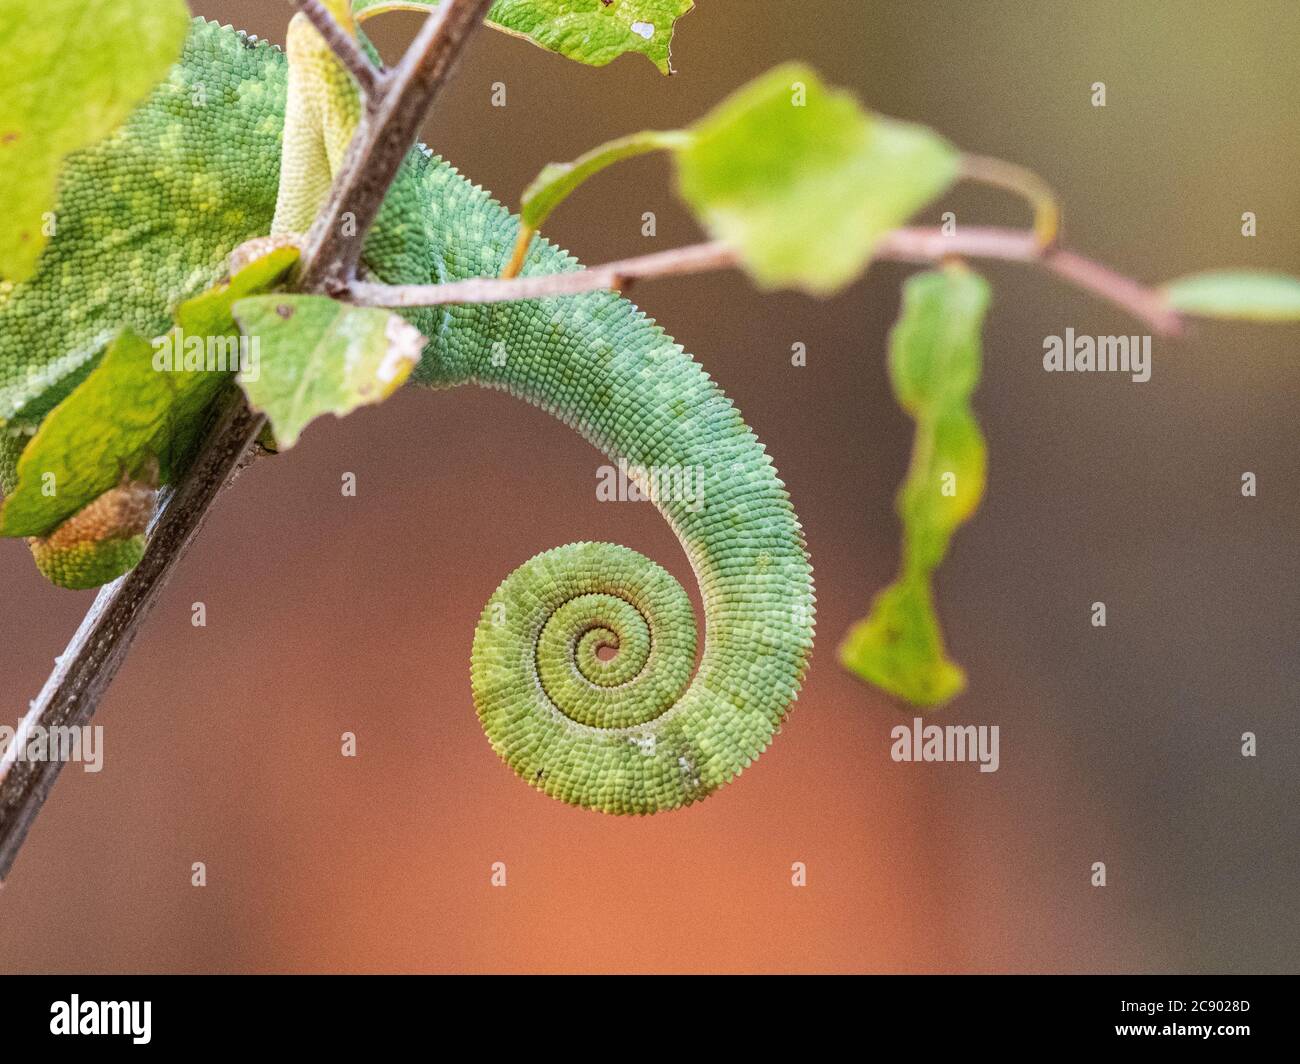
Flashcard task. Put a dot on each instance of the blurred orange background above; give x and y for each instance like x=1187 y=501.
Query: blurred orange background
x=328 y=614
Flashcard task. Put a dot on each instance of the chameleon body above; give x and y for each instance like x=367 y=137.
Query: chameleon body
x=161 y=204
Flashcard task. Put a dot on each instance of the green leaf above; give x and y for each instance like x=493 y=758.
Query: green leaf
x=553 y=185
x=944 y=485
x=797 y=178
x=322 y=357
x=899 y=647
x=591 y=31
x=934 y=364
x=111 y=424
x=1243 y=294
x=803 y=182
x=73 y=70
x=934 y=354
x=143 y=403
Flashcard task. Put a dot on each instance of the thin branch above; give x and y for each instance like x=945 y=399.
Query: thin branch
x=369 y=77
x=1014 y=245
x=1146 y=304
x=333 y=248
x=98 y=648
x=697 y=258
x=903 y=245
x=975 y=242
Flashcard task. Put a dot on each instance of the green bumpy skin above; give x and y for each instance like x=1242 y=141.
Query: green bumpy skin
x=635 y=734
x=100 y=542
x=88 y=564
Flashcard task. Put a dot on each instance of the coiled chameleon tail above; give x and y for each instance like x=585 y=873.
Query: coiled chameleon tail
x=636 y=733
x=581 y=728
x=633 y=734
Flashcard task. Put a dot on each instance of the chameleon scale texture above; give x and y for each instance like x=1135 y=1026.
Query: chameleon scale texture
x=102 y=540
x=636 y=734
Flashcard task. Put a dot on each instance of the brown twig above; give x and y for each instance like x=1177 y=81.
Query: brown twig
x=1014 y=245
x=903 y=245
x=696 y=258
x=1142 y=302
x=97 y=650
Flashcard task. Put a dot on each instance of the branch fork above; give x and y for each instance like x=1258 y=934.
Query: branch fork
x=394 y=113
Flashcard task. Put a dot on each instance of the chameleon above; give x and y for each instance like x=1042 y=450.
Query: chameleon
x=242 y=140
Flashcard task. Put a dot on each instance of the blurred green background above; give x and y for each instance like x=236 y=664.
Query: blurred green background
x=1119 y=745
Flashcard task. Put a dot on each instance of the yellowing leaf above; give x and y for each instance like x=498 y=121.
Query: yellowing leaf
x=591 y=31
x=1249 y=295
x=944 y=485
x=322 y=357
x=102 y=540
x=803 y=182
x=934 y=362
x=899 y=647
x=72 y=71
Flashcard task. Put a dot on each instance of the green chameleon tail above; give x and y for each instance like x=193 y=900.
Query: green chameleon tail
x=634 y=733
